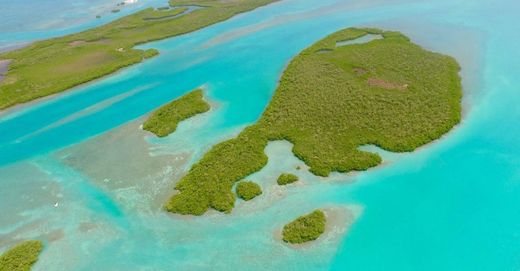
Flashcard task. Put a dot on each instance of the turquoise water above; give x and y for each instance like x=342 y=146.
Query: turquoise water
x=24 y=21
x=77 y=172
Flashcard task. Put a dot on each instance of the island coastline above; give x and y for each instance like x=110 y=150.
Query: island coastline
x=438 y=116
x=97 y=60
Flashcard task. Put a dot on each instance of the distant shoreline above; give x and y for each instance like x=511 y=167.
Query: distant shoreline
x=42 y=71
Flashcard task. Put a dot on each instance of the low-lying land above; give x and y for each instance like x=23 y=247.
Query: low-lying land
x=21 y=257
x=248 y=190
x=327 y=107
x=55 y=65
x=285 y=179
x=4 y=64
x=305 y=228
x=164 y=120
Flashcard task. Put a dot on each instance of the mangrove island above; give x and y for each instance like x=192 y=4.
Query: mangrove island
x=305 y=228
x=55 y=65
x=248 y=190
x=286 y=178
x=332 y=99
x=164 y=120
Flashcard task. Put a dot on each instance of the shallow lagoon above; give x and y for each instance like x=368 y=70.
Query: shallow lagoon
x=452 y=205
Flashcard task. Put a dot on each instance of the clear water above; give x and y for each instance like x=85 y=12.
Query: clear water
x=361 y=40
x=451 y=205
x=24 y=21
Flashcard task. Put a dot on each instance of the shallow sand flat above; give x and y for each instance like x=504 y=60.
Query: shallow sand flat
x=120 y=163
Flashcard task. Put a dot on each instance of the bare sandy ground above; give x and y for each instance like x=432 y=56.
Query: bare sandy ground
x=4 y=64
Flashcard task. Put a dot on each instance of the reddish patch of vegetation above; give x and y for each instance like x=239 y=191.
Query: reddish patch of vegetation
x=378 y=82
x=77 y=43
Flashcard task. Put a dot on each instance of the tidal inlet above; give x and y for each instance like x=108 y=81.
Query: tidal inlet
x=259 y=135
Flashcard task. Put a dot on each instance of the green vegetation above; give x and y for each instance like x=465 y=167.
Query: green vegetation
x=248 y=190
x=21 y=257
x=305 y=228
x=164 y=120
x=54 y=65
x=161 y=14
x=287 y=179
x=327 y=105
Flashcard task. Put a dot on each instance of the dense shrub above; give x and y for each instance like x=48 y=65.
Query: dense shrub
x=21 y=257
x=305 y=228
x=164 y=120
x=248 y=190
x=327 y=109
x=286 y=179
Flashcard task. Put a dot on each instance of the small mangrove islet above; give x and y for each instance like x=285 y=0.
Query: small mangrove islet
x=286 y=178
x=305 y=228
x=248 y=190
x=55 y=65
x=388 y=92
x=21 y=257
x=164 y=120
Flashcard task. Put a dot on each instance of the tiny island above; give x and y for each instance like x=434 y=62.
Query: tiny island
x=305 y=228
x=164 y=120
x=21 y=257
x=286 y=178
x=334 y=97
x=55 y=65
x=248 y=190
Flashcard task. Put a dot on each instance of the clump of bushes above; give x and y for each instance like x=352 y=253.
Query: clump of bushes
x=305 y=228
x=150 y=53
x=327 y=110
x=248 y=190
x=21 y=257
x=164 y=120
x=287 y=179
